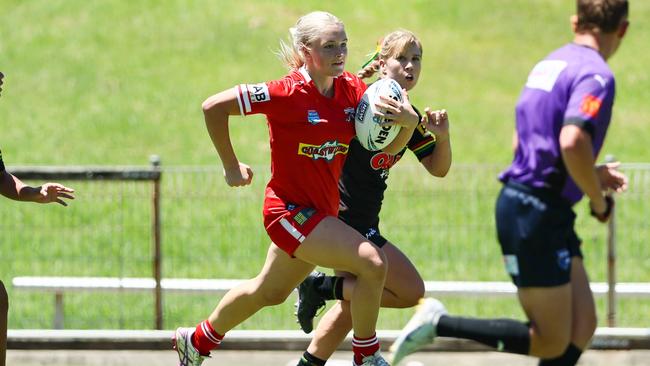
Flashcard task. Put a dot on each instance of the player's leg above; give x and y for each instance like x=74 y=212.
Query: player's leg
x=275 y=282
x=277 y=279
x=584 y=317
x=330 y=332
x=404 y=285
x=549 y=312
x=403 y=288
x=4 y=308
x=333 y=244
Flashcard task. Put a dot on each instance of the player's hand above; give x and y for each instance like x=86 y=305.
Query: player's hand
x=437 y=122
x=397 y=113
x=54 y=192
x=611 y=178
x=238 y=176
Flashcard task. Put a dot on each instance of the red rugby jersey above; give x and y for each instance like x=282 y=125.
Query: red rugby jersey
x=309 y=135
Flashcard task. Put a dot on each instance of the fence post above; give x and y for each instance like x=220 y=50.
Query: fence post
x=611 y=261
x=155 y=228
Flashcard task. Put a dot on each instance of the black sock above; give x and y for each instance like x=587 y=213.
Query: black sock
x=503 y=334
x=569 y=358
x=310 y=360
x=329 y=287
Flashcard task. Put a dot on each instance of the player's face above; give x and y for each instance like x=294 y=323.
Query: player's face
x=404 y=68
x=327 y=53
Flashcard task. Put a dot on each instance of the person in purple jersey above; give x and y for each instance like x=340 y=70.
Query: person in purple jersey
x=561 y=121
x=13 y=188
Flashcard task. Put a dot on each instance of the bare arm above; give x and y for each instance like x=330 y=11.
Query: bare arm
x=439 y=162
x=14 y=188
x=577 y=153
x=216 y=110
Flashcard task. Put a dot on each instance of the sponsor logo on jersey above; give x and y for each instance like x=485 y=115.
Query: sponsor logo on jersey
x=545 y=74
x=303 y=215
x=382 y=160
x=590 y=105
x=325 y=151
x=314 y=118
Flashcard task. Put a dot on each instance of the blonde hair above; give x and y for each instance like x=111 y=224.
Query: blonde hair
x=392 y=45
x=306 y=30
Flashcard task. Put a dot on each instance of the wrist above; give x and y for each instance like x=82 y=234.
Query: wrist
x=441 y=138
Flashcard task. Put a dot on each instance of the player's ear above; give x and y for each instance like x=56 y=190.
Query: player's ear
x=574 y=22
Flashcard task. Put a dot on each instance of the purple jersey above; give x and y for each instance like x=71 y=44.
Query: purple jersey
x=573 y=85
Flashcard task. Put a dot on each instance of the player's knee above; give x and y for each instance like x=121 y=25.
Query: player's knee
x=373 y=262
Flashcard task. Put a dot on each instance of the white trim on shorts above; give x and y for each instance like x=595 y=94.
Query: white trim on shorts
x=292 y=230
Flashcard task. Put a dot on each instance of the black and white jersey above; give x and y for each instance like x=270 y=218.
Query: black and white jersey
x=363 y=181
x=2 y=164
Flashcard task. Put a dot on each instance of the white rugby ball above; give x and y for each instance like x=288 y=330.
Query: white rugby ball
x=370 y=131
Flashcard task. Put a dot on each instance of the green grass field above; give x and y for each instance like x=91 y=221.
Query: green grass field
x=111 y=82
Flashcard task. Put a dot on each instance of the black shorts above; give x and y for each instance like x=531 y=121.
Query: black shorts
x=370 y=232
x=536 y=232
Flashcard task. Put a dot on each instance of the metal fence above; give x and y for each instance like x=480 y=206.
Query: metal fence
x=209 y=230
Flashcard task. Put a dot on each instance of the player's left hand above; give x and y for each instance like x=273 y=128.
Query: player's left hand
x=437 y=122
x=611 y=178
x=54 y=192
x=397 y=113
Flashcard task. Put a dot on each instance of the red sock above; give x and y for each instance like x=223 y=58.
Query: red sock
x=363 y=347
x=205 y=338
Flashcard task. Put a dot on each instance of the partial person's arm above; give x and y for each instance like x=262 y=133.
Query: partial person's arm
x=14 y=188
x=439 y=162
x=577 y=153
x=216 y=110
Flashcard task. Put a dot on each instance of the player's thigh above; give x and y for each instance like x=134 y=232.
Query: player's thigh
x=281 y=274
x=402 y=277
x=550 y=311
x=334 y=244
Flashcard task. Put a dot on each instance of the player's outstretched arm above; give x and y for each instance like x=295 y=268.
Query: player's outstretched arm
x=14 y=188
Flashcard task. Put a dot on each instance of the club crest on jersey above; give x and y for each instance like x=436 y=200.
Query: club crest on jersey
x=325 y=151
x=314 y=118
x=590 y=105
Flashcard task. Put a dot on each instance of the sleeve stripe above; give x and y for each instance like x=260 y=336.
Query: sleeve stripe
x=243 y=99
x=239 y=101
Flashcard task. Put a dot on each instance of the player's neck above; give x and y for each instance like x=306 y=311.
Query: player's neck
x=594 y=41
x=324 y=83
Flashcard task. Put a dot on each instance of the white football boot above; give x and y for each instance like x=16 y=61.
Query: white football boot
x=187 y=354
x=419 y=331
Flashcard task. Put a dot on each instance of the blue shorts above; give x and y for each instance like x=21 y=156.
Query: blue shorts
x=536 y=232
